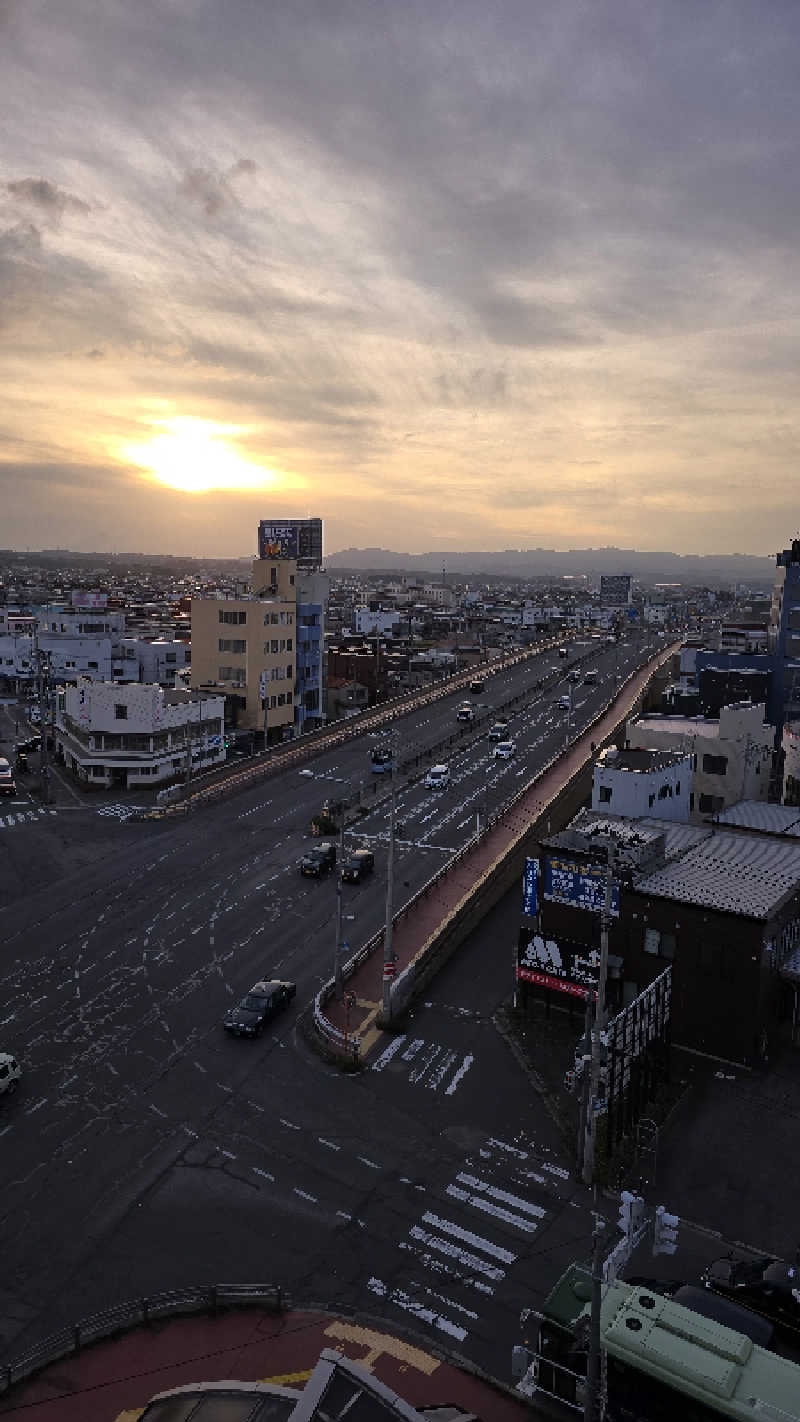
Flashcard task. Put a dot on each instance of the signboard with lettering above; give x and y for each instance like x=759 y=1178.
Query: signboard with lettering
x=567 y=881
x=530 y=886
x=299 y=538
x=563 y=966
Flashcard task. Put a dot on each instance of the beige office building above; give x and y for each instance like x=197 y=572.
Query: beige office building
x=244 y=648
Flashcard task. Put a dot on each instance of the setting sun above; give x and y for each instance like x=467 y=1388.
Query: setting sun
x=197 y=456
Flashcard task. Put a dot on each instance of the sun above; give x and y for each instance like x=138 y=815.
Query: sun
x=196 y=456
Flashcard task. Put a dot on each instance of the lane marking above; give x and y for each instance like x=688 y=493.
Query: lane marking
x=477 y=1203
x=463 y=1256
x=502 y=1195
x=264 y=1173
x=428 y=1315
x=462 y=1071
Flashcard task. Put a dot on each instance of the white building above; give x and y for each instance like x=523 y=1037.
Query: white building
x=367 y=623
x=135 y=735
x=790 y=745
x=638 y=783
x=87 y=642
x=731 y=756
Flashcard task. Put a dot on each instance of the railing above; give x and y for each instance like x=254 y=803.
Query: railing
x=174 y=1303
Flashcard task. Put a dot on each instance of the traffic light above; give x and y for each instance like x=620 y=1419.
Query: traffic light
x=665 y=1234
x=631 y=1213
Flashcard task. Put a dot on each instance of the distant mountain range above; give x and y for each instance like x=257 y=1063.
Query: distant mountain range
x=713 y=569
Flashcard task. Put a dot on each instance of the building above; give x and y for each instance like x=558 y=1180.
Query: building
x=783 y=638
x=635 y=783
x=298 y=541
x=375 y=623
x=134 y=736
x=615 y=590
x=244 y=649
x=731 y=756
x=790 y=746
x=722 y=908
x=85 y=640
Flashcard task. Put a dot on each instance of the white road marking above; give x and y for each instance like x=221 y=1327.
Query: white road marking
x=37 y=1106
x=462 y=1071
x=290 y=1124
x=387 y=1054
x=370 y=1163
x=304 y=1195
x=477 y=1203
x=428 y=1315
x=265 y=1173
x=476 y=1240
x=470 y=1261
x=556 y=1170
x=502 y=1195
x=329 y=1144
x=158 y=1111
x=228 y=1153
x=437 y=1266
x=512 y=1150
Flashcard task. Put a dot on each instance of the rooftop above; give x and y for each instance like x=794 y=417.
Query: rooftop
x=765 y=819
x=639 y=760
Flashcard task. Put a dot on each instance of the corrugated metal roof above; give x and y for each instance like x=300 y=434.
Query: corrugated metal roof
x=769 y=819
x=737 y=873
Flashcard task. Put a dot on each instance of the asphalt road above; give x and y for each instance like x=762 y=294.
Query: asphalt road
x=145 y=1149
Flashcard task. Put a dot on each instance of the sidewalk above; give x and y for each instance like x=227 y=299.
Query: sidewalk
x=414 y=929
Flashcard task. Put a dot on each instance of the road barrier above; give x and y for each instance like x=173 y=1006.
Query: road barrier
x=173 y=1303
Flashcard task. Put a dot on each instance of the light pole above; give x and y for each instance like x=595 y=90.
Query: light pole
x=592 y=1114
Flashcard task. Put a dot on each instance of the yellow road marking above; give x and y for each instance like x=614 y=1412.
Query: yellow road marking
x=379 y=1343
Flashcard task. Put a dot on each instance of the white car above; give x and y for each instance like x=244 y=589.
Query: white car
x=438 y=777
x=499 y=731
x=504 y=750
x=10 y=1073
x=563 y=703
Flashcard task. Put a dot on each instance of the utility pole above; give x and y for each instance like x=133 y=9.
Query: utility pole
x=591 y=1401
x=388 y=953
x=592 y=1115
x=42 y=703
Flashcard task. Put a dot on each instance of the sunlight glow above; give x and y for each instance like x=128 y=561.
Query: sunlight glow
x=196 y=456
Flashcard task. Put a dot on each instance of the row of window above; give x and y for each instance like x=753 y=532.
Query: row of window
x=275 y=619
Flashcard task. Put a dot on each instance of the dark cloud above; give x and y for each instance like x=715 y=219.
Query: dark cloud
x=50 y=201
x=213 y=191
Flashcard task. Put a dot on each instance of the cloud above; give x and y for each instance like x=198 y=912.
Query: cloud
x=50 y=201
x=213 y=191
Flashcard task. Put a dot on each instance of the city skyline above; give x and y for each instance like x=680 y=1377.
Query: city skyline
x=532 y=272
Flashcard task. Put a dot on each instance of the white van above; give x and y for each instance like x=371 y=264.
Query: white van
x=438 y=778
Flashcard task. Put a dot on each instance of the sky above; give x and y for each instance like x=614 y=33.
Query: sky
x=456 y=274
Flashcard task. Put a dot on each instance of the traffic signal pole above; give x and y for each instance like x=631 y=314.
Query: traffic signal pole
x=590 y=1134
x=388 y=951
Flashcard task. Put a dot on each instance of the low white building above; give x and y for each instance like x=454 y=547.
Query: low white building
x=731 y=756
x=135 y=735
x=85 y=642
x=367 y=623
x=638 y=783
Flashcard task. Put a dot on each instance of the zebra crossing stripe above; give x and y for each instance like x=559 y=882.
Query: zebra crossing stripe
x=463 y=1256
x=437 y=1266
x=386 y=1055
x=476 y=1240
x=465 y=1198
x=503 y=1195
x=428 y=1315
x=511 y=1150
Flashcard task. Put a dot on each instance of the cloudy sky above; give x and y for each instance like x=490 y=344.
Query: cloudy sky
x=450 y=274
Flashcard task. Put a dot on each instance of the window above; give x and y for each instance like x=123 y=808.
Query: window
x=715 y=764
x=281 y=699
x=660 y=945
x=120 y=712
x=677 y=787
x=605 y=794
x=288 y=644
x=172 y=657
x=273 y=646
x=232 y=644
x=289 y=673
x=651 y=800
x=233 y=619
x=289 y=618
x=665 y=792
x=274 y=618
x=234 y=674
x=291 y=580
x=92 y=666
x=711 y=804
x=282 y=647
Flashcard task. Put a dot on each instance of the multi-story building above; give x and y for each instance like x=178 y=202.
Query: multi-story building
x=636 y=783
x=784 y=635
x=86 y=640
x=244 y=648
x=731 y=755
x=299 y=541
x=132 y=735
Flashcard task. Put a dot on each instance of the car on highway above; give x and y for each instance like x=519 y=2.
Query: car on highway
x=573 y=675
x=465 y=712
x=590 y=678
x=10 y=1074
x=563 y=703
x=504 y=750
x=30 y=745
x=358 y=866
x=7 y=782
x=35 y=715
x=260 y=1004
x=766 y=1285
x=438 y=778
x=499 y=731
x=319 y=860
x=477 y=685
x=382 y=760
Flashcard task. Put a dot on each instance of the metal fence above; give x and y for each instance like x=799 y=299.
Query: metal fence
x=173 y=1303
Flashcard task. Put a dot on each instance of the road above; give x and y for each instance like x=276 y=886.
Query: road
x=145 y=1149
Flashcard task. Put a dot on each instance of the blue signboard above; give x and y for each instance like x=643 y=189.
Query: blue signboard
x=530 y=887
x=566 y=881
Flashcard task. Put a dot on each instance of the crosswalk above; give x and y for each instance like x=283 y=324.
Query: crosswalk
x=19 y=817
x=429 y=1065
x=463 y=1248
x=117 y=811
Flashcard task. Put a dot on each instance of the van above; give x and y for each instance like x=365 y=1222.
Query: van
x=438 y=778
x=465 y=712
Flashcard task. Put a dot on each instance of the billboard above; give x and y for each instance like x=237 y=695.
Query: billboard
x=615 y=589
x=567 y=881
x=297 y=538
x=530 y=887
x=559 y=965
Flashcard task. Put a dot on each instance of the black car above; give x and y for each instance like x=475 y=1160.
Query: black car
x=255 y=1010
x=319 y=860
x=765 y=1285
x=358 y=865
x=29 y=746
